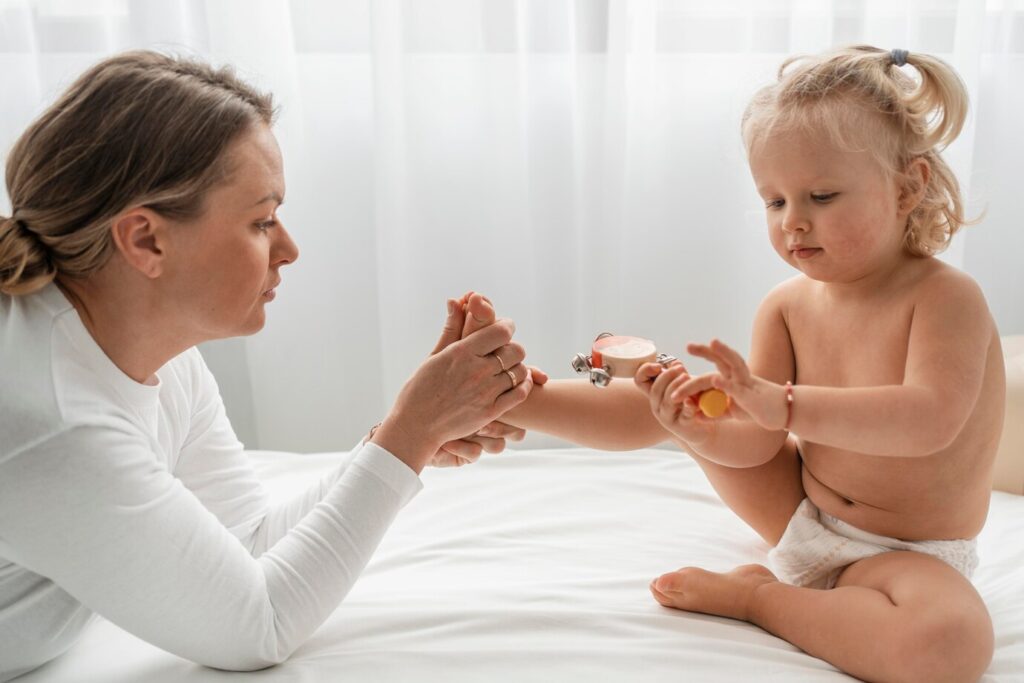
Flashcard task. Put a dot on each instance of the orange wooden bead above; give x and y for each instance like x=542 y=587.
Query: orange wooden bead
x=713 y=402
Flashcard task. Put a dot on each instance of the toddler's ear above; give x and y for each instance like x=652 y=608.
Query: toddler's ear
x=915 y=184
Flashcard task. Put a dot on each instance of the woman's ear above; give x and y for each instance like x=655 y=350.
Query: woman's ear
x=914 y=185
x=139 y=236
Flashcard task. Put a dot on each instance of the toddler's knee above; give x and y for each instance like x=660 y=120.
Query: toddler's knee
x=954 y=646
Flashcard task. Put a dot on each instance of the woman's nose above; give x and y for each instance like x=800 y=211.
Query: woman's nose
x=285 y=249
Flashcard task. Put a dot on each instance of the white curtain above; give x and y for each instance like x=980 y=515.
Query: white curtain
x=578 y=161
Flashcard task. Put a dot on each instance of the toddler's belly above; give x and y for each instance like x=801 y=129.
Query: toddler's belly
x=903 y=513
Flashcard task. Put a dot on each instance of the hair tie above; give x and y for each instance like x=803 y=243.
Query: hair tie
x=898 y=57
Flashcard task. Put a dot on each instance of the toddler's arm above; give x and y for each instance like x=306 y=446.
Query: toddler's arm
x=731 y=442
x=950 y=336
x=613 y=418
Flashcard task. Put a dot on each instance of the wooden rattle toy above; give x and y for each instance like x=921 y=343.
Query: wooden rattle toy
x=621 y=356
x=615 y=356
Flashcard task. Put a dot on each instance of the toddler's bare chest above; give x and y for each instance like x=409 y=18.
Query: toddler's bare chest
x=862 y=346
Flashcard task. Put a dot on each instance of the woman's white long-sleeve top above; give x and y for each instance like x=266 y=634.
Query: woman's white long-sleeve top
x=136 y=502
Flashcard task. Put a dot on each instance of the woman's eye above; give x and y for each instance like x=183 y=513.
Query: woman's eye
x=822 y=198
x=266 y=225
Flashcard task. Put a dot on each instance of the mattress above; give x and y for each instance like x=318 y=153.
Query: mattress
x=534 y=565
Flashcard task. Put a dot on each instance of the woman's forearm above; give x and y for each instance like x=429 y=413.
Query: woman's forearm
x=613 y=418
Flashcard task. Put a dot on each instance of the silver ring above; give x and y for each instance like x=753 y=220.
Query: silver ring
x=500 y=362
x=512 y=376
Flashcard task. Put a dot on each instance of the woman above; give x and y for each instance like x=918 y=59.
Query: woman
x=143 y=223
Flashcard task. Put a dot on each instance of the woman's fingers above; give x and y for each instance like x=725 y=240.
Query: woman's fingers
x=502 y=430
x=490 y=338
x=510 y=378
x=464 y=449
x=508 y=400
x=487 y=443
x=508 y=356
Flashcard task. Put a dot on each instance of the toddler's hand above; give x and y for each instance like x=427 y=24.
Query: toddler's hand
x=752 y=398
x=682 y=418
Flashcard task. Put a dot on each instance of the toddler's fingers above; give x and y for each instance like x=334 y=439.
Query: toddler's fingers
x=704 y=351
x=739 y=365
x=540 y=377
x=453 y=325
x=692 y=387
x=479 y=314
x=660 y=597
x=646 y=374
x=664 y=379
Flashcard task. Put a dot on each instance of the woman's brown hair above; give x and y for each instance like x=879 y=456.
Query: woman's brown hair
x=138 y=129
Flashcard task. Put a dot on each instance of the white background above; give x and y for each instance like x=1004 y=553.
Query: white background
x=577 y=161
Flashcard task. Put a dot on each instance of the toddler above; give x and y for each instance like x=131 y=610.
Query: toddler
x=863 y=427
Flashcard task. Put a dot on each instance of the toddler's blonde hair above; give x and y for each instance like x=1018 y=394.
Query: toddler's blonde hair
x=860 y=98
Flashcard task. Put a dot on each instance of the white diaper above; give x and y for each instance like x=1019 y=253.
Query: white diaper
x=816 y=547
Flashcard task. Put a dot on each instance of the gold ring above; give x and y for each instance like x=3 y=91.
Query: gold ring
x=500 y=362
x=512 y=377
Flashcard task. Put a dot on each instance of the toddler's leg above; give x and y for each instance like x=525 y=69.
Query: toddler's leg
x=899 y=616
x=766 y=496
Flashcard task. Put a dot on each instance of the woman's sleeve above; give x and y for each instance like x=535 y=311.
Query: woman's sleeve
x=213 y=465
x=97 y=512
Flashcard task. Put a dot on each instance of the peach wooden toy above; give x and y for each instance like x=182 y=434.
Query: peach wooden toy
x=617 y=356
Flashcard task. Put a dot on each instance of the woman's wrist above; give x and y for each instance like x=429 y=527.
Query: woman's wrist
x=413 y=448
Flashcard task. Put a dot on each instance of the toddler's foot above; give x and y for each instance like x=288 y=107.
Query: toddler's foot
x=698 y=590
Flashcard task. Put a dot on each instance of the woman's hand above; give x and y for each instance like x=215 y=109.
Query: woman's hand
x=467 y=315
x=751 y=397
x=455 y=392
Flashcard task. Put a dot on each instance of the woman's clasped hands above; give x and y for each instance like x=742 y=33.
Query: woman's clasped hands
x=447 y=412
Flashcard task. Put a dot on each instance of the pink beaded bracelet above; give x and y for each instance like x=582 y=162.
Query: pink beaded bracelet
x=789 y=404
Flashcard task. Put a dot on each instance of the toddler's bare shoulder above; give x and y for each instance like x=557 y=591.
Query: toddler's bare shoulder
x=788 y=292
x=946 y=286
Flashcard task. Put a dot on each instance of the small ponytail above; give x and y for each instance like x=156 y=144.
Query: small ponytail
x=25 y=264
x=937 y=107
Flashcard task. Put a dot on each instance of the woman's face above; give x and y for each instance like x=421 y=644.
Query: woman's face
x=227 y=262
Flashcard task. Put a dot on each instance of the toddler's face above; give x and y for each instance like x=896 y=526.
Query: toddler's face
x=832 y=213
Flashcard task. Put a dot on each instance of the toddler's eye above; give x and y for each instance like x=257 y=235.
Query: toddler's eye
x=775 y=204
x=823 y=198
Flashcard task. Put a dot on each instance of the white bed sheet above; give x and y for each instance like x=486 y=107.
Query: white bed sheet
x=534 y=565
